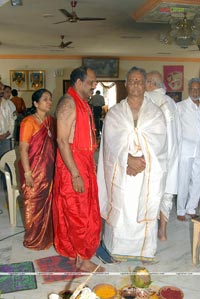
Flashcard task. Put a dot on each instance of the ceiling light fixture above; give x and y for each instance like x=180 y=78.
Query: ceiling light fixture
x=16 y=2
x=183 y=32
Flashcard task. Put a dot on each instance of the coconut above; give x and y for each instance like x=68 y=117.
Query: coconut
x=141 y=277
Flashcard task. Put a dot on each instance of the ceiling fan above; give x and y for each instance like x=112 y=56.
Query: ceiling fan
x=64 y=44
x=72 y=17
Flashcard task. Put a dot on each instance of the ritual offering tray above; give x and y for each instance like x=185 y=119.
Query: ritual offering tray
x=142 y=293
x=105 y=291
x=128 y=292
x=170 y=292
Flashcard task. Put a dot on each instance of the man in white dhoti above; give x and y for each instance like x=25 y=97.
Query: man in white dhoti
x=189 y=163
x=157 y=93
x=132 y=172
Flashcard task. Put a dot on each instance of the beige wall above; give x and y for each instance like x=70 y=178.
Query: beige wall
x=55 y=83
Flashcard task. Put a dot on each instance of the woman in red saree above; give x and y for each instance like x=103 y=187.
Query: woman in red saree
x=36 y=166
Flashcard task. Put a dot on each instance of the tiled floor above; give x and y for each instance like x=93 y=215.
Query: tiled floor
x=174 y=268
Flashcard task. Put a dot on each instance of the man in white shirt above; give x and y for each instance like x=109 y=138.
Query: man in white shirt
x=7 y=96
x=189 y=161
x=7 y=121
x=157 y=93
x=97 y=101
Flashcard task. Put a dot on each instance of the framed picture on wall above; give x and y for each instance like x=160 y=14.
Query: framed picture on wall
x=18 y=79
x=36 y=80
x=173 y=77
x=105 y=67
x=176 y=96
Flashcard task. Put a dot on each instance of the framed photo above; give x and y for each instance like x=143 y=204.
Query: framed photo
x=36 y=80
x=18 y=79
x=66 y=85
x=105 y=67
x=176 y=96
x=173 y=77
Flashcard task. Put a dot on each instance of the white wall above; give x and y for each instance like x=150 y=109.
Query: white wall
x=55 y=83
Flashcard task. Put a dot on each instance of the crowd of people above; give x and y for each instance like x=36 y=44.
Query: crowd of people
x=149 y=152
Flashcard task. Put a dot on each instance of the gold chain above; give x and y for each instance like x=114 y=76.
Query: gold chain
x=42 y=122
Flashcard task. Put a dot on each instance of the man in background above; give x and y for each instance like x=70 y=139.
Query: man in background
x=157 y=93
x=189 y=163
x=18 y=102
x=97 y=101
x=7 y=119
x=7 y=96
x=20 y=108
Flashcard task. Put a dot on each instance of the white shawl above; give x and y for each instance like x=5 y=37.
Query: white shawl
x=118 y=137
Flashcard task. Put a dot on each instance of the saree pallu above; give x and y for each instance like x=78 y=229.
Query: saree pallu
x=38 y=200
x=77 y=222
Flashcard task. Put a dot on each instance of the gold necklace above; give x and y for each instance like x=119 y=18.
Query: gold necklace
x=42 y=122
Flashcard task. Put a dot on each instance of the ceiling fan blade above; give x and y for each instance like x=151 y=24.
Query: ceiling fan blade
x=61 y=22
x=67 y=44
x=66 y=13
x=91 y=19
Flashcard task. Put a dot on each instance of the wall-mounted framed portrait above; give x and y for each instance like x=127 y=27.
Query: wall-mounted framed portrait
x=104 y=67
x=173 y=77
x=18 y=79
x=36 y=79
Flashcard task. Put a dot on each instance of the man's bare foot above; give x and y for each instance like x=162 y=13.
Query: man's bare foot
x=161 y=235
x=87 y=266
x=71 y=259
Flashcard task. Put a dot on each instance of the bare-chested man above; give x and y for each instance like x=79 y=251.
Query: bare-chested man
x=77 y=221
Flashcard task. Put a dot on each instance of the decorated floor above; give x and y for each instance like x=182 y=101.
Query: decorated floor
x=174 y=266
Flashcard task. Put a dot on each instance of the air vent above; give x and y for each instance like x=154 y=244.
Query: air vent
x=47 y=15
x=164 y=53
x=131 y=36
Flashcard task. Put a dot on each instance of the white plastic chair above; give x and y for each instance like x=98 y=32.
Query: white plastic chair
x=9 y=159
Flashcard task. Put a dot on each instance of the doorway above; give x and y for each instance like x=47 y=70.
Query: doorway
x=113 y=91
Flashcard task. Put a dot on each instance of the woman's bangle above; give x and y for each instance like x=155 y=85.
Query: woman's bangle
x=27 y=174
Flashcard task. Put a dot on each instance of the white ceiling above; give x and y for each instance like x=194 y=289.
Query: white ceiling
x=25 y=30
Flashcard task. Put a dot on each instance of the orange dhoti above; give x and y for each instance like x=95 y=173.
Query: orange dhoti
x=77 y=222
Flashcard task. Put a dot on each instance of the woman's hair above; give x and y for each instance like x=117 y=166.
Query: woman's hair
x=14 y=92
x=36 y=96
